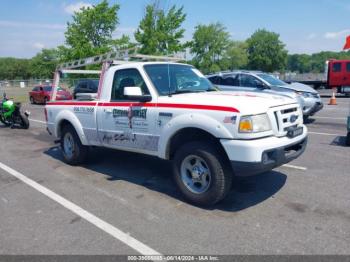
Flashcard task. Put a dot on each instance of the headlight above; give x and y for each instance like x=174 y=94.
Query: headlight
x=305 y=94
x=254 y=124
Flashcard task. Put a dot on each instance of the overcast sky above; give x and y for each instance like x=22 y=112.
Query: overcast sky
x=305 y=26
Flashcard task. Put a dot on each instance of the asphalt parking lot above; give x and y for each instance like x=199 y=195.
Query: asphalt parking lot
x=302 y=208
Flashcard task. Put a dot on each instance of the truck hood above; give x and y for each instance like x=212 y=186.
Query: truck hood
x=244 y=102
x=299 y=87
x=274 y=90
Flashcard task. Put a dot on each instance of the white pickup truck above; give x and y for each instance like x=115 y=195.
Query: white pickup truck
x=170 y=110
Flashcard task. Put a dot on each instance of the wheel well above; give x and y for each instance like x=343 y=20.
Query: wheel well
x=62 y=125
x=189 y=135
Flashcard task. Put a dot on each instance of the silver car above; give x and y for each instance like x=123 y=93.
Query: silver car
x=308 y=98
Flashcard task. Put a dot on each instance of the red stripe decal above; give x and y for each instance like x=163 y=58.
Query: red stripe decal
x=75 y=103
x=162 y=105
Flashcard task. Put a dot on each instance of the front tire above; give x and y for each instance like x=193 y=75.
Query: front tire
x=202 y=173
x=74 y=152
x=5 y=121
x=31 y=99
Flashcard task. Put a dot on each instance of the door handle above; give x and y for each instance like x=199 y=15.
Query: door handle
x=108 y=110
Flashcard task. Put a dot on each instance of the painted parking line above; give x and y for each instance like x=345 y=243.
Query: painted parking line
x=323 y=134
x=38 y=121
x=327 y=117
x=295 y=167
x=99 y=223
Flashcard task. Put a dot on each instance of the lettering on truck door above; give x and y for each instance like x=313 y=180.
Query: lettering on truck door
x=126 y=124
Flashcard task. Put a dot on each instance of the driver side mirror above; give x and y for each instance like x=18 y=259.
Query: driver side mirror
x=135 y=93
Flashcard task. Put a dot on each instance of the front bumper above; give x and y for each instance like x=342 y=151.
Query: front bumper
x=250 y=157
x=312 y=106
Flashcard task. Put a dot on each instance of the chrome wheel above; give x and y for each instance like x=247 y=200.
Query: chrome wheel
x=68 y=145
x=195 y=174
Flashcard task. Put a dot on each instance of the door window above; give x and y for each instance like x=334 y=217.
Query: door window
x=127 y=78
x=249 y=81
x=230 y=81
x=348 y=67
x=336 y=67
x=215 y=80
x=83 y=85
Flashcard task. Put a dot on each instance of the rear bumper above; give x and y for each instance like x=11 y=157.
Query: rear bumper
x=271 y=159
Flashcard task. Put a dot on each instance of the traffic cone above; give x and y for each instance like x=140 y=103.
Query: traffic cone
x=333 y=100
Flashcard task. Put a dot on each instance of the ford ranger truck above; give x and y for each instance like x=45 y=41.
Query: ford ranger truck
x=170 y=110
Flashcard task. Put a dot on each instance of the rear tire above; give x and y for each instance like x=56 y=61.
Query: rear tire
x=45 y=100
x=74 y=152
x=202 y=173
x=25 y=121
x=347 y=141
x=31 y=99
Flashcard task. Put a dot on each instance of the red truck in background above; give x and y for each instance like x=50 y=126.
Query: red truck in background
x=338 y=75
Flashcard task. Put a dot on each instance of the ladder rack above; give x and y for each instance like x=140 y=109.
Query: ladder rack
x=118 y=57
x=112 y=58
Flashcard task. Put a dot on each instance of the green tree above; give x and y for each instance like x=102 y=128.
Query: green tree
x=160 y=32
x=123 y=43
x=90 y=32
x=14 y=68
x=266 y=51
x=208 y=46
x=44 y=63
x=235 y=57
x=300 y=63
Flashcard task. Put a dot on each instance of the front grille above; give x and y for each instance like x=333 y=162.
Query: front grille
x=287 y=117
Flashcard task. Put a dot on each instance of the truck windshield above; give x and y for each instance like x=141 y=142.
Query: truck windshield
x=175 y=79
x=272 y=80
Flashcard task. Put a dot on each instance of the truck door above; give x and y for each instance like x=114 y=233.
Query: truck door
x=347 y=74
x=125 y=124
x=336 y=73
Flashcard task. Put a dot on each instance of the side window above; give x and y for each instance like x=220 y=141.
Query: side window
x=35 y=89
x=336 y=67
x=215 y=80
x=127 y=78
x=230 y=81
x=83 y=85
x=348 y=67
x=248 y=81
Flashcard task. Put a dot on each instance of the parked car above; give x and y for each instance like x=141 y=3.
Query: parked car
x=42 y=94
x=86 y=86
x=309 y=98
